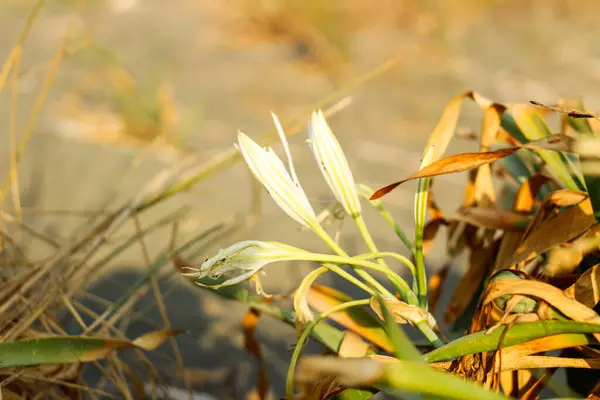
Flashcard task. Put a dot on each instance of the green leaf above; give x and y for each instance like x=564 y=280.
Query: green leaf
x=421 y=378
x=482 y=341
x=583 y=127
x=397 y=378
x=355 y=394
x=71 y=349
x=533 y=127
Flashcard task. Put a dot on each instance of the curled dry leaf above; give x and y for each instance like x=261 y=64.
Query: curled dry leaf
x=466 y=161
x=553 y=296
x=403 y=313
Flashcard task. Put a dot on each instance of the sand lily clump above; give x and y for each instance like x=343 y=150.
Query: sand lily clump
x=242 y=261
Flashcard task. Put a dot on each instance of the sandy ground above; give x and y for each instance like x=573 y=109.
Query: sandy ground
x=227 y=79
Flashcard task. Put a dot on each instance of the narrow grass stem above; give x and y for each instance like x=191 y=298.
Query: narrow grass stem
x=340 y=271
x=391 y=254
x=429 y=334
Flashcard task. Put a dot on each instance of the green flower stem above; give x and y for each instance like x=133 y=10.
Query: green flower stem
x=366 y=192
x=429 y=334
x=289 y=382
x=420 y=211
x=341 y=253
x=397 y=256
x=340 y=271
x=364 y=231
x=357 y=262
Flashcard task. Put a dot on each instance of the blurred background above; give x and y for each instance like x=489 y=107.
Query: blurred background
x=123 y=90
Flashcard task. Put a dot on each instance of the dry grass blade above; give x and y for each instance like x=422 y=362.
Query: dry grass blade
x=571 y=112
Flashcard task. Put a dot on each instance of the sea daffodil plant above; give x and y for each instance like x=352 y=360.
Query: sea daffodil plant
x=245 y=259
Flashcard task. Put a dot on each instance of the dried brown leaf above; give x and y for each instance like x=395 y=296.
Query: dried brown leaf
x=587 y=288
x=525 y=198
x=480 y=263
x=555 y=230
x=446 y=127
x=352 y=345
x=467 y=161
x=491 y=218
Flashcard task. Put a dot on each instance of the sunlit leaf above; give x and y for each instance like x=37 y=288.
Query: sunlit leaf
x=483 y=341
x=408 y=376
x=467 y=161
x=70 y=349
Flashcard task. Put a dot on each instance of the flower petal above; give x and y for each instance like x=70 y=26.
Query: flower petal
x=271 y=172
x=333 y=163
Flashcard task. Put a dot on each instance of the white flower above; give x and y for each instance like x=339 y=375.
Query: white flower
x=333 y=163
x=243 y=260
x=283 y=186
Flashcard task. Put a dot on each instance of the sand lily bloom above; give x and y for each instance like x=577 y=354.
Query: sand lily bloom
x=283 y=186
x=333 y=164
x=242 y=260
